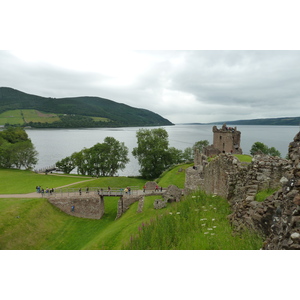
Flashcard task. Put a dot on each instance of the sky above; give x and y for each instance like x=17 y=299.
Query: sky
x=181 y=85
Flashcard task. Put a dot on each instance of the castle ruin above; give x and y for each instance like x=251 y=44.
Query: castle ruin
x=225 y=140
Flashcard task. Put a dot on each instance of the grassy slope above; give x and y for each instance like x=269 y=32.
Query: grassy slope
x=22 y=182
x=31 y=115
x=36 y=224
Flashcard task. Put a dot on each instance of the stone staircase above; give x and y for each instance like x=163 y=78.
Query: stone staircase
x=251 y=191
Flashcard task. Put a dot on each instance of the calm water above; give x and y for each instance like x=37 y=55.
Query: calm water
x=55 y=144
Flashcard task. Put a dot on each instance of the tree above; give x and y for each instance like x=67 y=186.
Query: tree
x=200 y=145
x=258 y=147
x=274 y=152
x=152 y=152
x=67 y=165
x=103 y=159
x=16 y=149
x=188 y=154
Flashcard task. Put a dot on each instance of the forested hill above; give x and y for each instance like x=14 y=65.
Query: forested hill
x=286 y=121
x=74 y=112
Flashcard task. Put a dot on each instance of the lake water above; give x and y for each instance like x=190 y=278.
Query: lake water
x=56 y=144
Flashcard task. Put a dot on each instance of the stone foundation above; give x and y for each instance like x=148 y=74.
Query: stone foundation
x=90 y=207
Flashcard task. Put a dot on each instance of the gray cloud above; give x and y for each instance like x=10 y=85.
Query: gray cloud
x=183 y=86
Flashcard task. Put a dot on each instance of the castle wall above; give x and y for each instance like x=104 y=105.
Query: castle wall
x=90 y=207
x=277 y=218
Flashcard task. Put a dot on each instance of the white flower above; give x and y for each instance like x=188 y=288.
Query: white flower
x=212 y=219
x=209 y=229
x=212 y=234
x=178 y=213
x=214 y=226
x=203 y=224
x=193 y=196
x=170 y=213
x=206 y=232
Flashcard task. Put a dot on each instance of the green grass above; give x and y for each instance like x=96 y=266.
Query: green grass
x=174 y=176
x=36 y=224
x=113 y=182
x=12 y=117
x=30 y=115
x=22 y=182
x=198 y=223
x=262 y=195
x=244 y=158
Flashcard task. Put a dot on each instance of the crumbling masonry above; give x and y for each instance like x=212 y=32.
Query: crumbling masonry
x=278 y=217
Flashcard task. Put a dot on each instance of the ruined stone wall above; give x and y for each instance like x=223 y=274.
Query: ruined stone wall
x=125 y=202
x=226 y=176
x=90 y=207
x=277 y=218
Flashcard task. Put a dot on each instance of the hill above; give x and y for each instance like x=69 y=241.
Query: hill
x=284 y=121
x=72 y=112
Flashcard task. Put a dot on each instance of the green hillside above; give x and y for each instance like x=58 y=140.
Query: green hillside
x=72 y=112
x=198 y=222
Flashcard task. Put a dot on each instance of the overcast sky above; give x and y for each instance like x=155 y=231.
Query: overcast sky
x=182 y=86
x=61 y=53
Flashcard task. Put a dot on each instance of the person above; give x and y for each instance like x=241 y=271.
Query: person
x=87 y=190
x=144 y=188
x=73 y=208
x=126 y=190
x=108 y=190
x=80 y=191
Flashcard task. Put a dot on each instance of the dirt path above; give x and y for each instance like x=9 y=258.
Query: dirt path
x=36 y=195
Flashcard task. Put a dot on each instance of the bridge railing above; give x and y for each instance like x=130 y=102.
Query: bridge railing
x=113 y=192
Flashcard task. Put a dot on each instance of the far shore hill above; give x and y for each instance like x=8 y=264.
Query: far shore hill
x=19 y=108
x=284 y=121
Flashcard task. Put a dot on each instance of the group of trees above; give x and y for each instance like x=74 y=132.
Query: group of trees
x=153 y=154
x=259 y=147
x=104 y=159
x=16 y=149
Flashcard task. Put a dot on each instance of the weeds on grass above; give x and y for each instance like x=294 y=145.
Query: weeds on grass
x=197 y=223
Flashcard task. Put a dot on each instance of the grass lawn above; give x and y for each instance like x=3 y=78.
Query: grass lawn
x=22 y=182
x=198 y=222
x=174 y=176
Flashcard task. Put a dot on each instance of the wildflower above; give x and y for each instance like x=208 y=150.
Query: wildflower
x=170 y=213
x=215 y=208
x=214 y=226
x=178 y=213
x=209 y=229
x=193 y=196
x=197 y=209
x=206 y=232
x=213 y=219
x=212 y=234
x=203 y=224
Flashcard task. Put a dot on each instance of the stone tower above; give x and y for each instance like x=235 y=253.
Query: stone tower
x=225 y=140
